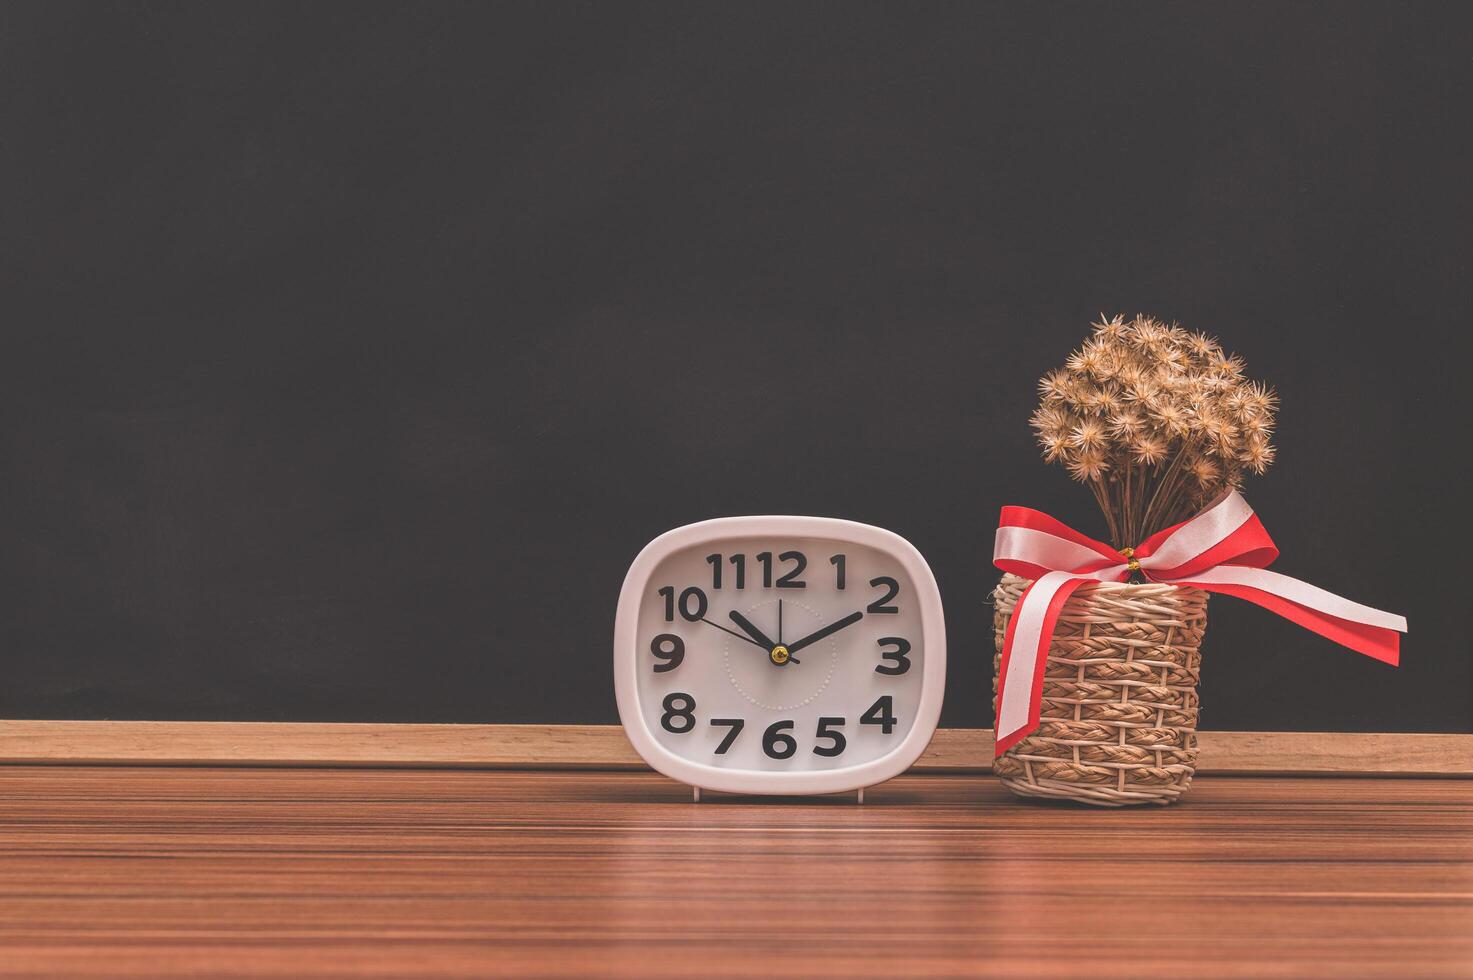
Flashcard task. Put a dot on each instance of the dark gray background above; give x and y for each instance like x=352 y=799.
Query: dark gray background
x=352 y=351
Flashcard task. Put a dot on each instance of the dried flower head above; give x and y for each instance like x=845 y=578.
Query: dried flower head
x=1161 y=421
x=1257 y=454
x=1089 y=464
x=1049 y=419
x=1170 y=416
x=1127 y=423
x=1055 y=386
x=1110 y=331
x=1206 y=471
x=1220 y=433
x=1088 y=434
x=1148 y=449
x=1261 y=397
x=1055 y=447
x=1202 y=346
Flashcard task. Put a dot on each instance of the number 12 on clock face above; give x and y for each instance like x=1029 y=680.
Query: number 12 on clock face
x=779 y=654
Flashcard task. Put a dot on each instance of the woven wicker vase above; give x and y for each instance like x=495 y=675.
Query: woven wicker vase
x=1118 y=724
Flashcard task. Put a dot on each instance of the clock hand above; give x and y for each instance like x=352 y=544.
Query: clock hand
x=828 y=630
x=765 y=649
x=757 y=635
x=779 y=622
x=732 y=632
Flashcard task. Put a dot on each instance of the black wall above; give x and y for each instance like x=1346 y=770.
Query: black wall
x=351 y=352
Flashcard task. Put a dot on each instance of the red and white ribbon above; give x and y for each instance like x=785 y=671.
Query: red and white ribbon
x=1223 y=549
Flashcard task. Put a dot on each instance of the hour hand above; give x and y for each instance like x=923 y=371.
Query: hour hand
x=746 y=626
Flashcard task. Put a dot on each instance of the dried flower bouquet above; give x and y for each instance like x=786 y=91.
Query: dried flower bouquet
x=1157 y=421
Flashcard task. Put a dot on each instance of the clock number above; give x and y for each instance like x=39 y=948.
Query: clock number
x=777 y=743
x=825 y=731
x=686 y=597
x=673 y=656
x=739 y=570
x=900 y=655
x=880 y=714
x=736 y=725
x=791 y=579
x=700 y=604
x=838 y=562
x=686 y=714
x=881 y=605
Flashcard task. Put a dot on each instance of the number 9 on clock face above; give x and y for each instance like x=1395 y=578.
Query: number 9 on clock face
x=779 y=654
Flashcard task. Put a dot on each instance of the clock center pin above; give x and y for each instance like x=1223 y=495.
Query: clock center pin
x=779 y=655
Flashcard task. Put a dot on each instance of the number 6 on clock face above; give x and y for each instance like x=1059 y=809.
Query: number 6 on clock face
x=779 y=654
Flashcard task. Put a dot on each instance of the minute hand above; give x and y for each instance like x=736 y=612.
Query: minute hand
x=828 y=630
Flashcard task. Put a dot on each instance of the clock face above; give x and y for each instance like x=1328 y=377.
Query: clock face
x=781 y=660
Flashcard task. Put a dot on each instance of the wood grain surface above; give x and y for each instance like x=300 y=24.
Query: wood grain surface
x=605 y=747
x=230 y=872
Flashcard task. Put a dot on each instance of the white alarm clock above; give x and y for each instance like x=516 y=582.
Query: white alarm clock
x=779 y=654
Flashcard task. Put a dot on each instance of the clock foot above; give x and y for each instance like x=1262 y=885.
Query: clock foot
x=695 y=794
x=861 y=796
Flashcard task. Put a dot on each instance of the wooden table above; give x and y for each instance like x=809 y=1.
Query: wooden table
x=165 y=872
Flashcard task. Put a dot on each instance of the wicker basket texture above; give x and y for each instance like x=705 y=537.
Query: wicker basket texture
x=1118 y=724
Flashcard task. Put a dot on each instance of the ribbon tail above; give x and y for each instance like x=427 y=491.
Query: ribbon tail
x=1373 y=632
x=1025 y=654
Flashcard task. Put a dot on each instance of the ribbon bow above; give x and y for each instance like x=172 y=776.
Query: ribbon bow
x=1223 y=549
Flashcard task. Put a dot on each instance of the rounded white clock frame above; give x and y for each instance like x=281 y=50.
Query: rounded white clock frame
x=626 y=656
